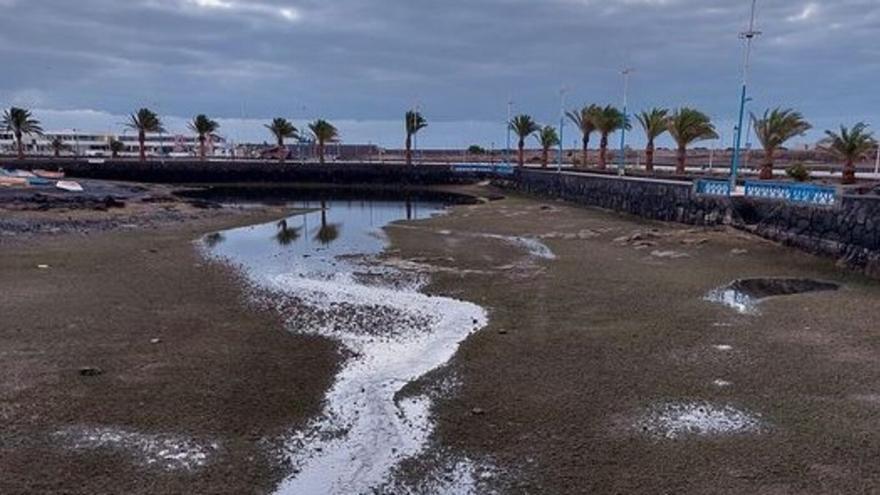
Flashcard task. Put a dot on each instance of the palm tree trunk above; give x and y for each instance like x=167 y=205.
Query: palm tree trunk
x=849 y=172
x=321 y=152
x=409 y=149
x=649 y=157
x=767 y=166
x=142 y=138
x=586 y=150
x=544 y=158
x=18 y=138
x=57 y=152
x=682 y=160
x=282 y=153
x=521 y=152
x=202 y=147
x=603 y=151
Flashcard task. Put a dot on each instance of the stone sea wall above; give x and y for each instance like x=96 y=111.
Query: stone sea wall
x=250 y=171
x=848 y=231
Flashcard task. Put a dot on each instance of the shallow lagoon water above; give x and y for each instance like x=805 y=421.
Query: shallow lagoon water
x=314 y=265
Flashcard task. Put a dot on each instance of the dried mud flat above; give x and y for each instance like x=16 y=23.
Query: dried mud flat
x=602 y=368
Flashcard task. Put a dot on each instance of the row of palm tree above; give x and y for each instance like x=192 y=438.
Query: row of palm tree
x=685 y=126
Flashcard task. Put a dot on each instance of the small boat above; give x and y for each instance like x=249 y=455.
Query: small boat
x=46 y=174
x=21 y=173
x=69 y=185
x=7 y=181
x=39 y=181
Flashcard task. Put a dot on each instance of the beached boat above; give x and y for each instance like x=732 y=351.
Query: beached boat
x=39 y=181
x=69 y=185
x=46 y=174
x=9 y=181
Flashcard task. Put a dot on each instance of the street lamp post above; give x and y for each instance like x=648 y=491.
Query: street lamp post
x=509 y=116
x=749 y=36
x=621 y=163
x=561 y=127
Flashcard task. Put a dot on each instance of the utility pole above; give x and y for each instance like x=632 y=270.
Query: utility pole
x=562 y=91
x=621 y=162
x=877 y=163
x=749 y=36
x=509 y=116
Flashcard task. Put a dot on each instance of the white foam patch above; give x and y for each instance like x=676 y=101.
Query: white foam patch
x=531 y=245
x=364 y=433
x=739 y=301
x=674 y=420
x=170 y=452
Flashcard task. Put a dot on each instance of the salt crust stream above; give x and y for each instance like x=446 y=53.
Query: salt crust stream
x=366 y=428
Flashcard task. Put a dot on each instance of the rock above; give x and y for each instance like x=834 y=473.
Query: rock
x=43 y=267
x=502 y=332
x=478 y=411
x=155 y=341
x=669 y=254
x=694 y=242
x=90 y=371
x=739 y=252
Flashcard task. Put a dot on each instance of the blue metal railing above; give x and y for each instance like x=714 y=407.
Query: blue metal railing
x=796 y=193
x=711 y=187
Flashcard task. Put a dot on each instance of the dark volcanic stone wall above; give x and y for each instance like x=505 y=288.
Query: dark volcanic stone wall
x=194 y=171
x=849 y=231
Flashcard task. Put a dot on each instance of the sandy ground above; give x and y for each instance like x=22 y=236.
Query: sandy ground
x=583 y=348
x=560 y=394
x=195 y=385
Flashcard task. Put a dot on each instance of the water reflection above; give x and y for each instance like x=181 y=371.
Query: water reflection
x=287 y=235
x=212 y=240
x=328 y=232
x=312 y=241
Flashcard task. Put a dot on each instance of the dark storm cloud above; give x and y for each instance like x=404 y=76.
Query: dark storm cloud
x=458 y=59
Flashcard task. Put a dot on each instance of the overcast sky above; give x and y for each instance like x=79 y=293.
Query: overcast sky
x=362 y=63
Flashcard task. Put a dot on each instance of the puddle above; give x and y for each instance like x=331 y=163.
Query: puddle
x=166 y=451
x=673 y=420
x=744 y=295
x=394 y=332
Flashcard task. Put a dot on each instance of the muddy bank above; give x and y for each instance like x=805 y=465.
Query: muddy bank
x=132 y=365
x=605 y=370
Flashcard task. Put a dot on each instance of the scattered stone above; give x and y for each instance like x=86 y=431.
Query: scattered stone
x=478 y=411
x=695 y=242
x=155 y=341
x=43 y=267
x=502 y=332
x=90 y=371
x=669 y=254
x=739 y=252
x=722 y=383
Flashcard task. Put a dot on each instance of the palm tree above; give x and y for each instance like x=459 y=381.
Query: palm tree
x=324 y=132
x=850 y=145
x=116 y=147
x=20 y=122
x=414 y=123
x=57 y=145
x=608 y=120
x=205 y=128
x=523 y=126
x=144 y=121
x=583 y=119
x=654 y=124
x=686 y=126
x=548 y=138
x=281 y=128
x=773 y=130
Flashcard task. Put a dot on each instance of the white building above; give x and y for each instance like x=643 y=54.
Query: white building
x=78 y=143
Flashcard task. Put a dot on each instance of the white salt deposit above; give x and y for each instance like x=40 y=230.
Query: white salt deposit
x=364 y=432
x=674 y=420
x=170 y=452
x=531 y=245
